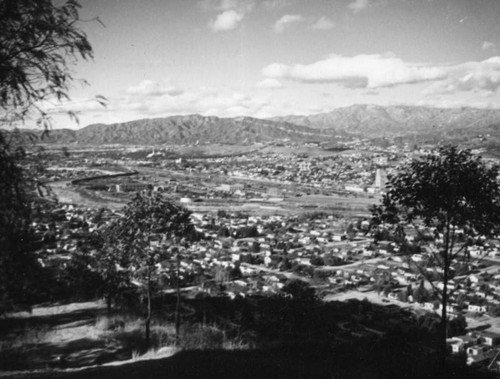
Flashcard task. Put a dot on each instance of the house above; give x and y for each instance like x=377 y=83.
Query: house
x=474 y=278
x=417 y=258
x=477 y=308
x=460 y=343
x=450 y=308
x=490 y=338
x=428 y=305
x=456 y=345
x=494 y=253
x=476 y=350
x=478 y=354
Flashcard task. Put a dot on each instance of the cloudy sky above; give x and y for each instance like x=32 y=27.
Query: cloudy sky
x=262 y=58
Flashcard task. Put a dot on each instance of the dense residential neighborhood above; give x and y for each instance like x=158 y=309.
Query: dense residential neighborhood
x=242 y=252
x=249 y=189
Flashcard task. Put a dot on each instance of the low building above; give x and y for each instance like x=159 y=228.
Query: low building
x=131 y=187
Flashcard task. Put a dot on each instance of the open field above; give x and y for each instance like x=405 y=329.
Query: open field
x=348 y=205
x=73 y=195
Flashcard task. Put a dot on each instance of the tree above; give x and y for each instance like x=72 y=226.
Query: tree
x=255 y=247
x=78 y=280
x=457 y=326
x=299 y=290
x=109 y=266
x=38 y=43
x=145 y=245
x=447 y=191
x=249 y=231
x=420 y=294
x=19 y=268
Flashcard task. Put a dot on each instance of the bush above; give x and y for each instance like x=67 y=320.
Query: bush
x=299 y=290
x=110 y=323
x=202 y=337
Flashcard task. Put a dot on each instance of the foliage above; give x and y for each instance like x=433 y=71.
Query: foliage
x=457 y=326
x=421 y=294
x=317 y=260
x=78 y=280
x=452 y=187
x=429 y=323
x=15 y=263
x=299 y=290
x=148 y=217
x=38 y=42
x=448 y=191
x=144 y=245
x=247 y=232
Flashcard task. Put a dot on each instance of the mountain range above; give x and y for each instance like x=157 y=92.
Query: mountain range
x=422 y=124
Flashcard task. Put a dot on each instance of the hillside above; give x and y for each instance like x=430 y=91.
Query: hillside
x=189 y=129
x=374 y=120
x=420 y=125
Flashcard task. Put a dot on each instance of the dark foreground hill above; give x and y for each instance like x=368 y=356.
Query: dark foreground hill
x=365 y=362
x=278 y=338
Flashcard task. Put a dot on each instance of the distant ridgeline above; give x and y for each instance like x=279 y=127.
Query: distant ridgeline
x=382 y=125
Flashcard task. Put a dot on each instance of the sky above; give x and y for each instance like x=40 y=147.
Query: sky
x=266 y=58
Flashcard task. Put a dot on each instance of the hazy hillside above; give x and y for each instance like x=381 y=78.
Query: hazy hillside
x=420 y=125
x=189 y=129
x=376 y=121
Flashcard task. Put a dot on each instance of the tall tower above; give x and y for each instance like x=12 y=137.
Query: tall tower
x=380 y=179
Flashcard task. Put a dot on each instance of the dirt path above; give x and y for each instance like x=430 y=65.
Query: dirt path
x=56 y=336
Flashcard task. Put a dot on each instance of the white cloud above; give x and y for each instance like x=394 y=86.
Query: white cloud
x=474 y=82
x=286 y=21
x=361 y=71
x=227 y=20
x=480 y=77
x=276 y=70
x=358 y=5
x=487 y=45
x=206 y=101
x=323 y=23
x=269 y=83
x=151 y=88
x=221 y=102
x=231 y=12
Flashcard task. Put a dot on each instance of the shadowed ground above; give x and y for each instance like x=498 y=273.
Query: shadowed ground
x=39 y=339
x=294 y=340
x=265 y=364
